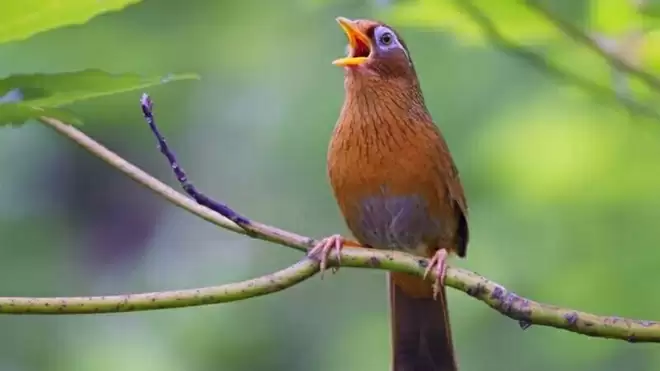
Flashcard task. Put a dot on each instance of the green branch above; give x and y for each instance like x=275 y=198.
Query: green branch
x=526 y=311
x=162 y=300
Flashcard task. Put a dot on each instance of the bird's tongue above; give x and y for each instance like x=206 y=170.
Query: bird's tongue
x=360 y=49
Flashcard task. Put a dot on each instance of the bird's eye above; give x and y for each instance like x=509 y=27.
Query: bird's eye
x=386 y=38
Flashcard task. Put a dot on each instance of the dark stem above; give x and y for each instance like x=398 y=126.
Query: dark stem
x=200 y=198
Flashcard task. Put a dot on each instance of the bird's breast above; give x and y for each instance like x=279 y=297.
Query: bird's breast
x=393 y=195
x=391 y=171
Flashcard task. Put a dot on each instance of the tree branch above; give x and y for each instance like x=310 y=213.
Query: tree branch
x=494 y=295
x=583 y=38
x=267 y=284
x=525 y=311
x=260 y=231
x=493 y=34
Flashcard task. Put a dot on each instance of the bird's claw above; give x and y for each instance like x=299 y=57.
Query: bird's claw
x=439 y=263
x=324 y=248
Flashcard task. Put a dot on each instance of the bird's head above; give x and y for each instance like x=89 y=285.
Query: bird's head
x=374 y=50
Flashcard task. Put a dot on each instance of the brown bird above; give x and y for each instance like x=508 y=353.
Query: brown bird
x=397 y=187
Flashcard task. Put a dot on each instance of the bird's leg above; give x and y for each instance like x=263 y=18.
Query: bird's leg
x=325 y=246
x=439 y=263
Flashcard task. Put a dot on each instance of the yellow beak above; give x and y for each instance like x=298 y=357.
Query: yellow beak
x=356 y=39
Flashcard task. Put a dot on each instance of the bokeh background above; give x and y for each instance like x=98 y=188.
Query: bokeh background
x=562 y=185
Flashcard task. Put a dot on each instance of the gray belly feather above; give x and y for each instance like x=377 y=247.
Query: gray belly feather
x=395 y=222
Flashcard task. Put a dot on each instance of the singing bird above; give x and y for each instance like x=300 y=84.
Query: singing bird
x=397 y=187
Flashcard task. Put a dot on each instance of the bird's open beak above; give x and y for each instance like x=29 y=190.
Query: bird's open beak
x=360 y=45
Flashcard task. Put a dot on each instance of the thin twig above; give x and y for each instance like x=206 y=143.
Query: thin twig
x=188 y=187
x=262 y=231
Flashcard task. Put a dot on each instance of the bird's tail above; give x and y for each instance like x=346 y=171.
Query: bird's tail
x=421 y=335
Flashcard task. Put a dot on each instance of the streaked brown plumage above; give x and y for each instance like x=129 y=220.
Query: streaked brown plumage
x=397 y=188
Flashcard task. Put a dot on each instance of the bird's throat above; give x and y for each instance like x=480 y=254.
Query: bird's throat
x=371 y=103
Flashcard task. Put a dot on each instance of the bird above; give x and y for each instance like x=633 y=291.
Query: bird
x=398 y=188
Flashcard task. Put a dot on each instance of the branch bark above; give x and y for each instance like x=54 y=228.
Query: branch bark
x=525 y=311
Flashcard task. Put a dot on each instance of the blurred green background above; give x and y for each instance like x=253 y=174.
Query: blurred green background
x=562 y=188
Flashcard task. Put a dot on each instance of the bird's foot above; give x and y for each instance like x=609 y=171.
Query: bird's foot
x=324 y=247
x=439 y=264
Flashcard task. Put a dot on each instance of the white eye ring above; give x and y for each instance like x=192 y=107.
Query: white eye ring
x=386 y=40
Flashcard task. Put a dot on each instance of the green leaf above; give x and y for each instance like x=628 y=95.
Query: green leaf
x=17 y=113
x=24 y=97
x=20 y=19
